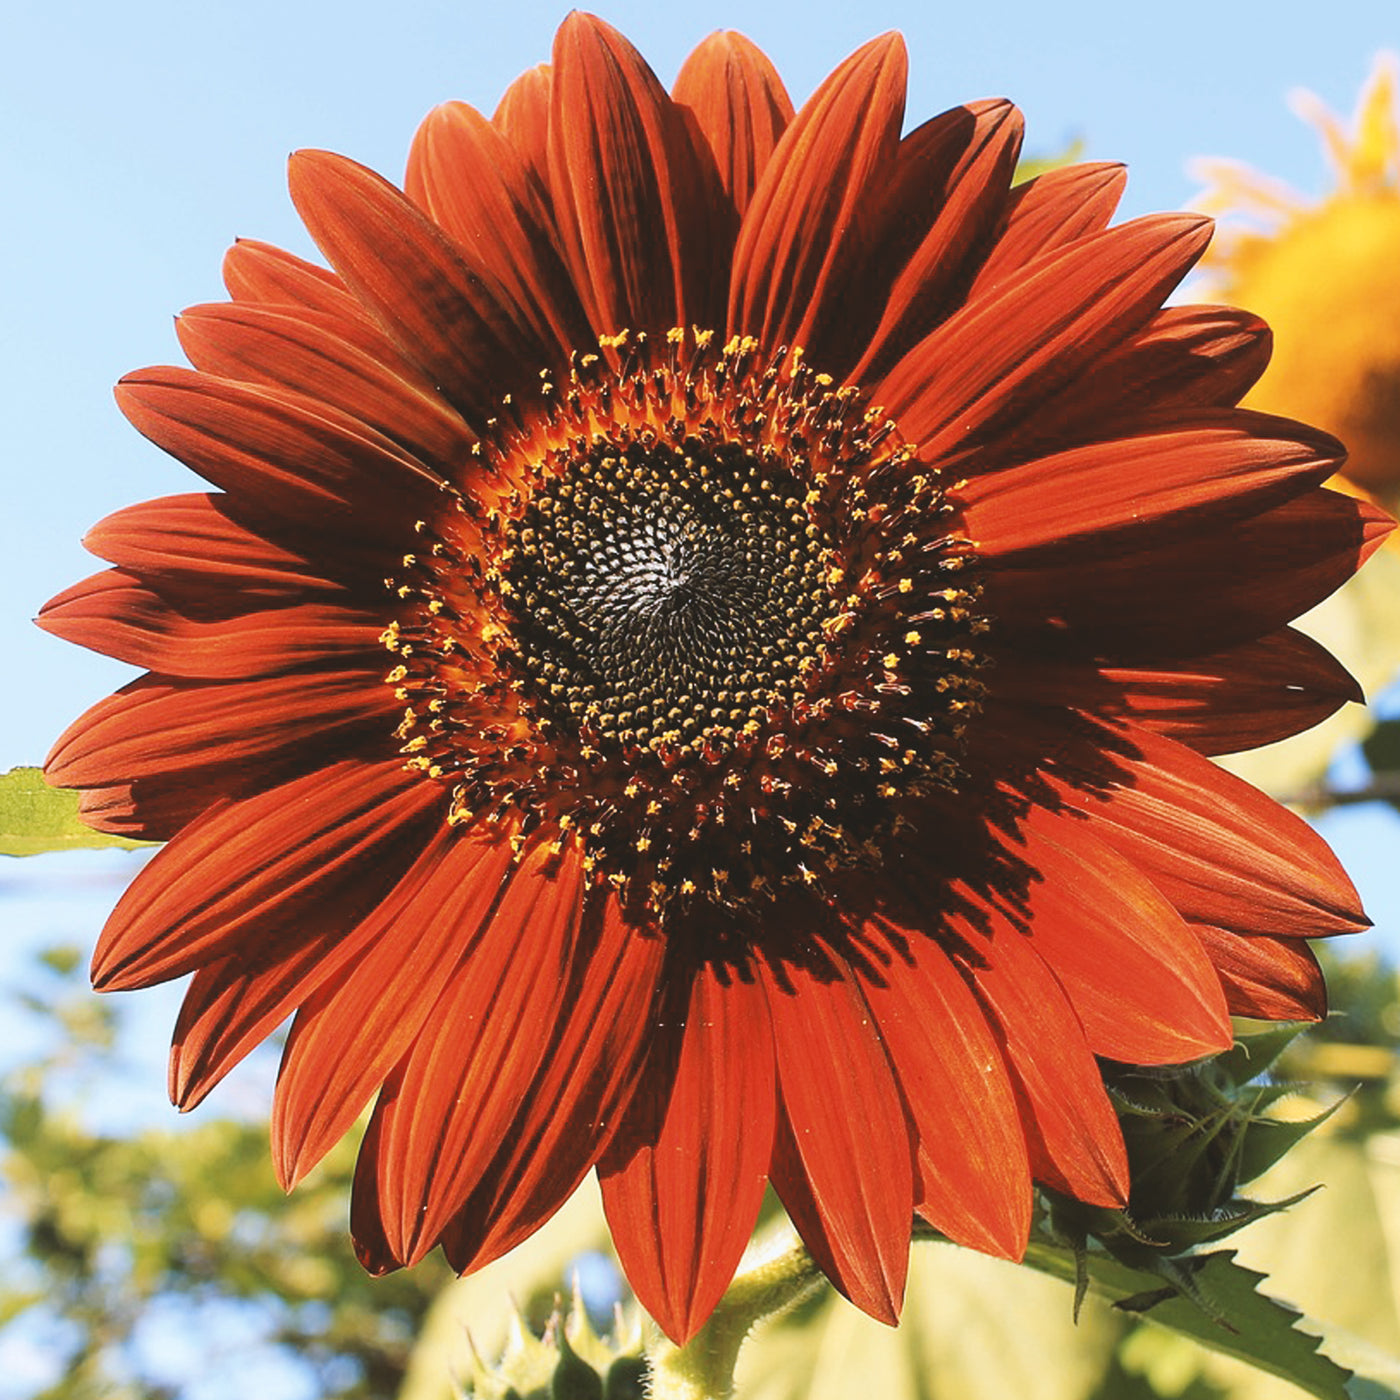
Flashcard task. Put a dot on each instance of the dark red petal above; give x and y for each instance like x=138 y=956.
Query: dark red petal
x=154 y=726
x=683 y=1199
x=740 y=106
x=204 y=536
x=1216 y=587
x=809 y=208
x=307 y=461
x=119 y=615
x=949 y=182
x=250 y=874
x=634 y=200
x=1253 y=694
x=1219 y=464
x=417 y=283
x=362 y=375
x=1184 y=359
x=1010 y=350
x=1072 y=1131
x=844 y=1161
x=386 y=979
x=974 y=1174
x=1219 y=849
x=234 y=1004
x=471 y=180
x=258 y=272
x=599 y=1021
x=1271 y=978
x=1048 y=213
x=1134 y=972
x=523 y=119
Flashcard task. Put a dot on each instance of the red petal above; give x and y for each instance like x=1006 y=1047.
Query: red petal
x=600 y=1021
x=801 y=230
x=362 y=375
x=1253 y=694
x=429 y=299
x=205 y=537
x=683 y=1200
x=258 y=272
x=1273 y=979
x=1134 y=973
x=305 y=460
x=523 y=119
x=1072 y=1132
x=1213 y=588
x=950 y=180
x=740 y=105
x=1221 y=464
x=359 y=1023
x=120 y=616
x=1012 y=349
x=1048 y=213
x=1220 y=850
x=843 y=1166
x=974 y=1174
x=471 y=180
x=251 y=873
x=154 y=727
x=634 y=202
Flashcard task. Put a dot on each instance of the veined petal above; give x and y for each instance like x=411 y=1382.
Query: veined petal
x=844 y=1161
x=740 y=106
x=468 y=176
x=384 y=982
x=260 y=273
x=973 y=1171
x=248 y=873
x=980 y=373
x=1250 y=695
x=303 y=459
x=522 y=117
x=1048 y=213
x=682 y=1194
x=418 y=284
x=603 y=1023
x=115 y=613
x=632 y=195
x=361 y=373
x=805 y=218
x=1266 y=976
x=157 y=726
x=1217 y=465
x=958 y=167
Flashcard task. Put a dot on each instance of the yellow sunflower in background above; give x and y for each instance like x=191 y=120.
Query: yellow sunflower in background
x=1325 y=275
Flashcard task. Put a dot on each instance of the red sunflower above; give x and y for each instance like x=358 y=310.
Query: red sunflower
x=701 y=665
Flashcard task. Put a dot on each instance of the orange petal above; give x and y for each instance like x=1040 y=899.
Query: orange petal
x=843 y=1166
x=974 y=1174
x=522 y=117
x=682 y=1200
x=1274 y=979
x=813 y=199
x=260 y=273
x=740 y=106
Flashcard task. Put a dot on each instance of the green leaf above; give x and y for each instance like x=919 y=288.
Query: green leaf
x=35 y=818
x=1232 y=1316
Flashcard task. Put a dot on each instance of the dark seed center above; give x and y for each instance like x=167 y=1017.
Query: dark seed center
x=667 y=596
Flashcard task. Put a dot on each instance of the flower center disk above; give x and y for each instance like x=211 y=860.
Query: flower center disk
x=704 y=613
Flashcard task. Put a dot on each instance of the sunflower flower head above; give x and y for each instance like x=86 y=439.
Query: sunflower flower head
x=701 y=665
x=1326 y=276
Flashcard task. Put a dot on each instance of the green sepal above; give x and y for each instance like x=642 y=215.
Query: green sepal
x=36 y=819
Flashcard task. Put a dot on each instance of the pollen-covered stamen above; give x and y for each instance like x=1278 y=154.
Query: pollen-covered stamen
x=701 y=611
